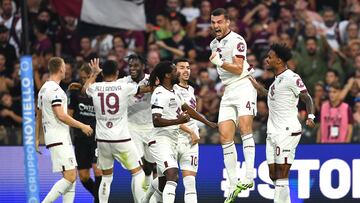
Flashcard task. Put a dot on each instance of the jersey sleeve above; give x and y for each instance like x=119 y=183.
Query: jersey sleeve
x=121 y=80
x=157 y=102
x=55 y=96
x=297 y=85
x=240 y=47
x=90 y=90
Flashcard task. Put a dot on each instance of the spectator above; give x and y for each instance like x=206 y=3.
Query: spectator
x=178 y=45
x=199 y=31
x=10 y=118
x=45 y=16
x=234 y=15
x=312 y=64
x=329 y=26
x=207 y=100
x=135 y=41
x=102 y=44
x=172 y=11
x=86 y=52
x=162 y=30
x=336 y=119
x=6 y=48
x=352 y=34
x=42 y=41
x=67 y=38
x=12 y=22
x=189 y=10
x=331 y=77
x=64 y=84
x=153 y=58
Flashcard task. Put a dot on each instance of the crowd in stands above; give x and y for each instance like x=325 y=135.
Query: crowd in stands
x=324 y=37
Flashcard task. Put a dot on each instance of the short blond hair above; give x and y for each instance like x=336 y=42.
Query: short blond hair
x=54 y=64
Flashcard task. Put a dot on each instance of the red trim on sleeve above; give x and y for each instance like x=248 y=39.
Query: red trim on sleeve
x=304 y=91
x=240 y=56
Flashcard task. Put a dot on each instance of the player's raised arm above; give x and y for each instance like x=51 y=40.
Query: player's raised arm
x=310 y=108
x=96 y=70
x=195 y=115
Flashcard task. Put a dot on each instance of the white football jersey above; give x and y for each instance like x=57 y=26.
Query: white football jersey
x=111 y=103
x=283 y=97
x=139 y=109
x=55 y=131
x=188 y=96
x=168 y=104
x=232 y=45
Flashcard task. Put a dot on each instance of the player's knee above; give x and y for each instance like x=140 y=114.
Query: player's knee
x=245 y=129
x=272 y=176
x=172 y=174
x=70 y=176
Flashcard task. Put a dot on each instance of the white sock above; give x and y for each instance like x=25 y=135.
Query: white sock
x=249 y=155
x=169 y=192
x=104 y=189
x=152 y=188
x=190 y=195
x=69 y=195
x=230 y=160
x=157 y=197
x=58 y=189
x=137 y=181
x=282 y=191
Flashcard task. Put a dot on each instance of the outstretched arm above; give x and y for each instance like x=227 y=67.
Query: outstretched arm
x=94 y=64
x=261 y=89
x=195 y=115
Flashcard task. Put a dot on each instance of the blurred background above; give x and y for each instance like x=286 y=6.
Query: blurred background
x=324 y=37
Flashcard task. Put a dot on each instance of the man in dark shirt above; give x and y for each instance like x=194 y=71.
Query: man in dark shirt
x=82 y=109
x=178 y=45
x=10 y=118
x=6 y=48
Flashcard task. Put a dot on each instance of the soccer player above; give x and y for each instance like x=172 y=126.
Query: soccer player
x=238 y=104
x=167 y=115
x=110 y=99
x=52 y=115
x=81 y=108
x=188 y=148
x=139 y=114
x=283 y=126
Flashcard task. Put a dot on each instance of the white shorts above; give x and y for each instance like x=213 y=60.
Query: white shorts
x=188 y=156
x=239 y=99
x=124 y=152
x=280 y=149
x=164 y=151
x=141 y=140
x=62 y=158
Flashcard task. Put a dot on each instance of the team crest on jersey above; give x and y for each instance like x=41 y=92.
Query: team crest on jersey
x=240 y=47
